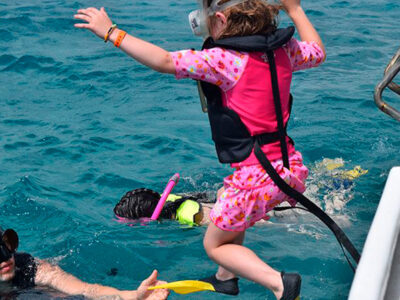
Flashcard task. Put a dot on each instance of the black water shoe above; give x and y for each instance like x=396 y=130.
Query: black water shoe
x=291 y=286
x=229 y=287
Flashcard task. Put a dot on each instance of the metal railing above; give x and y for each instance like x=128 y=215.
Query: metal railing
x=391 y=71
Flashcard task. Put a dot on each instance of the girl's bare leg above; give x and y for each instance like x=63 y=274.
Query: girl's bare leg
x=224 y=274
x=240 y=260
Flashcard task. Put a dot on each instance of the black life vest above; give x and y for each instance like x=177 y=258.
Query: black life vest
x=233 y=141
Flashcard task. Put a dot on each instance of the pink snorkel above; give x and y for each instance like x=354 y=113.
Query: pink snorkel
x=171 y=183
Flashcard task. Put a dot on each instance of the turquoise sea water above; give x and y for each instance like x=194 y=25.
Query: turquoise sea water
x=81 y=124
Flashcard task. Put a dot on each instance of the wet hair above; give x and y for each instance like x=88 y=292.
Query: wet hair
x=140 y=203
x=10 y=238
x=249 y=18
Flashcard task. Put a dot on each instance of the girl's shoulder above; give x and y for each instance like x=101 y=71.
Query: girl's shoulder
x=223 y=51
x=229 y=58
x=218 y=66
x=211 y=53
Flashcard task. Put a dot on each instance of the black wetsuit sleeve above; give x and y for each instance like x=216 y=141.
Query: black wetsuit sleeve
x=25 y=270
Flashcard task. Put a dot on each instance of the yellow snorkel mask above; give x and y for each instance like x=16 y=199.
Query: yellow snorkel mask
x=187 y=212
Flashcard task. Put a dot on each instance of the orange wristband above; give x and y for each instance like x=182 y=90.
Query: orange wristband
x=119 y=39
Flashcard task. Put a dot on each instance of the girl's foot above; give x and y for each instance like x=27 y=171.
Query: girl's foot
x=291 y=286
x=229 y=287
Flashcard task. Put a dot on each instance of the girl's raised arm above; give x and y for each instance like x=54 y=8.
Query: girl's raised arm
x=146 y=53
x=305 y=28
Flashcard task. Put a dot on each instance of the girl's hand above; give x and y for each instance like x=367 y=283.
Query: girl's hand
x=97 y=20
x=290 y=5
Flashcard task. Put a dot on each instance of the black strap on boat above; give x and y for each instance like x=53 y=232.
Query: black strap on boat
x=343 y=240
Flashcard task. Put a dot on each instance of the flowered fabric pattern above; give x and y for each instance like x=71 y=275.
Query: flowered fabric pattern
x=224 y=67
x=304 y=55
x=250 y=194
x=217 y=66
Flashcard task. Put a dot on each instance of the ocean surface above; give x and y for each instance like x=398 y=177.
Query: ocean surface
x=81 y=123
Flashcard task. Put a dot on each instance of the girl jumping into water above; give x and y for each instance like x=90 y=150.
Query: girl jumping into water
x=245 y=70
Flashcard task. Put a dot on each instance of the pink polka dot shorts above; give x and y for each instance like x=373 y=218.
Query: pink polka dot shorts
x=250 y=193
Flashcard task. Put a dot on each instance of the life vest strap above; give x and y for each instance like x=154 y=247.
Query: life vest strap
x=278 y=108
x=269 y=137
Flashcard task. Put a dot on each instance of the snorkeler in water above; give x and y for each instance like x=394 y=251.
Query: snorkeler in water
x=189 y=209
x=21 y=270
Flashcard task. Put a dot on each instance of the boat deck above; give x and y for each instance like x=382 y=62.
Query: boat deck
x=378 y=273
x=393 y=287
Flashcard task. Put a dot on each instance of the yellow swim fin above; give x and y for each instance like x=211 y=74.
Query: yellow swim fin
x=331 y=164
x=185 y=286
x=355 y=173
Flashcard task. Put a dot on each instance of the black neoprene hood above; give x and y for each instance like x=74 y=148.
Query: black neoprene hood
x=9 y=237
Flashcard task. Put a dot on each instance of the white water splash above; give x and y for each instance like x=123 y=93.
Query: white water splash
x=329 y=190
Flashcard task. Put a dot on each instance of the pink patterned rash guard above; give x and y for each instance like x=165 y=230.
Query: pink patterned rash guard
x=225 y=67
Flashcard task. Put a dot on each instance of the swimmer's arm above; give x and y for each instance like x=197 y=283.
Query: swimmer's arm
x=144 y=52
x=305 y=28
x=220 y=192
x=207 y=209
x=206 y=214
x=54 y=277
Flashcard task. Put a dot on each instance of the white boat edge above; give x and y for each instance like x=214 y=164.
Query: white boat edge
x=374 y=278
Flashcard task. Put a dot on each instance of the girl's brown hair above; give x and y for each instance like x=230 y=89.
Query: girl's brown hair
x=249 y=18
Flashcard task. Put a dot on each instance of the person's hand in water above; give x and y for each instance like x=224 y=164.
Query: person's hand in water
x=142 y=292
x=97 y=20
